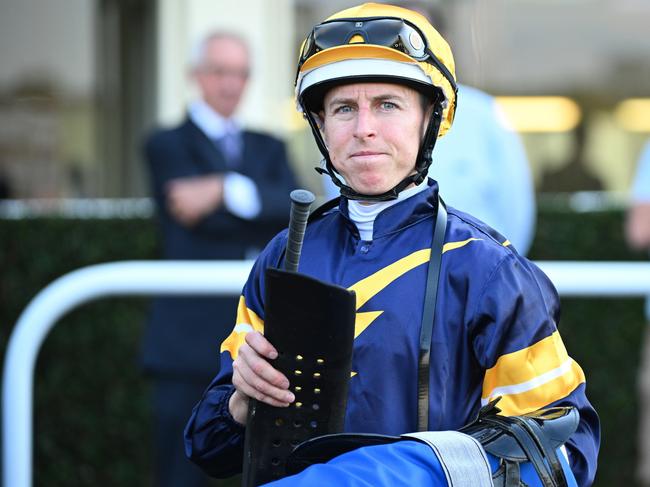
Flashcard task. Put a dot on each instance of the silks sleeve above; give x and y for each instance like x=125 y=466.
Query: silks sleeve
x=517 y=342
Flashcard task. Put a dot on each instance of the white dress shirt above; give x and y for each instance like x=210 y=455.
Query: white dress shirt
x=240 y=194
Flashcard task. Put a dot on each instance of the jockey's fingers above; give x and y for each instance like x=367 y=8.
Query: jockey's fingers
x=248 y=382
x=261 y=345
x=260 y=367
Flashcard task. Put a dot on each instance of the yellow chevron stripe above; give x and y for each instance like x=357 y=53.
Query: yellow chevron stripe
x=525 y=402
x=506 y=243
x=365 y=289
x=526 y=364
x=456 y=245
x=363 y=321
x=245 y=316
x=373 y=284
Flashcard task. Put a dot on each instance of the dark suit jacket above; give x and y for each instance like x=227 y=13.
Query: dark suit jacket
x=184 y=334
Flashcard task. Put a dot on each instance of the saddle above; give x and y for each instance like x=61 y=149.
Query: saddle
x=534 y=437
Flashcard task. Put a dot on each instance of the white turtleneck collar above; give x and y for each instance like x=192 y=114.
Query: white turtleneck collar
x=363 y=213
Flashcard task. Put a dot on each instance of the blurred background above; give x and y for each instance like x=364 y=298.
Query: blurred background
x=83 y=81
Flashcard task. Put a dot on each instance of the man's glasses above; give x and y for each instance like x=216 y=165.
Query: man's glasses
x=224 y=72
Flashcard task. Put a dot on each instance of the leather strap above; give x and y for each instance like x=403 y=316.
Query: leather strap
x=324 y=208
x=536 y=447
x=512 y=474
x=547 y=450
x=428 y=314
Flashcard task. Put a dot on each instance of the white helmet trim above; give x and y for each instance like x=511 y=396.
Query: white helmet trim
x=360 y=67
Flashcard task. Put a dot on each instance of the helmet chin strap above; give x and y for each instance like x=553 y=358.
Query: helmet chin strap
x=422 y=162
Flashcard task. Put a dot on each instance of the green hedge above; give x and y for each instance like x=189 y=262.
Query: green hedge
x=91 y=404
x=91 y=412
x=603 y=335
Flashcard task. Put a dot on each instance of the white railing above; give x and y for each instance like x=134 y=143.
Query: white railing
x=197 y=278
x=64 y=294
x=83 y=208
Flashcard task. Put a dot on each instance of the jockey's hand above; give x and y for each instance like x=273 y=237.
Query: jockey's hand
x=253 y=376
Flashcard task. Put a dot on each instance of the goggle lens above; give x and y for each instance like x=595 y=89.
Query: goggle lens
x=388 y=32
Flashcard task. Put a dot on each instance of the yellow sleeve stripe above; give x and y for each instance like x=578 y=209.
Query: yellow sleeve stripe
x=527 y=397
x=247 y=320
x=506 y=243
x=533 y=377
x=526 y=364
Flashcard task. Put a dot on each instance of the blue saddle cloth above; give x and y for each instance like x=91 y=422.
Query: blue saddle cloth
x=407 y=463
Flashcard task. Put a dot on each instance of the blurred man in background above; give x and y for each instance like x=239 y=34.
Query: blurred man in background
x=637 y=233
x=221 y=192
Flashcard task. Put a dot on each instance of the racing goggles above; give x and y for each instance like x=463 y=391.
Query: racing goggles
x=392 y=32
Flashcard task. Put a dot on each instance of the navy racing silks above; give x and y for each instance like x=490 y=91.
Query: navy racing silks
x=494 y=332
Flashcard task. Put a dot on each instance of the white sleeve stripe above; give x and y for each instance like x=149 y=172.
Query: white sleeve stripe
x=532 y=383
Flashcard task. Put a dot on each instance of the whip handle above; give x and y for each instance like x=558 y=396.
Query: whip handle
x=301 y=201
